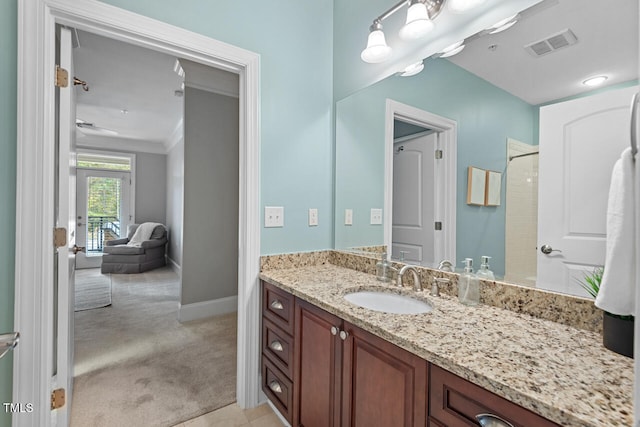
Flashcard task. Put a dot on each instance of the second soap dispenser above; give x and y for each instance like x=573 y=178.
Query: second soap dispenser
x=468 y=285
x=484 y=272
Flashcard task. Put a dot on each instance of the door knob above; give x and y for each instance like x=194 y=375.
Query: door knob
x=546 y=249
x=77 y=249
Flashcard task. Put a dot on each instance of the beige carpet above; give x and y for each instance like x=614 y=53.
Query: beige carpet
x=93 y=289
x=136 y=365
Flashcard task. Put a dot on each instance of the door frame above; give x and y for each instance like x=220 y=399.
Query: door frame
x=35 y=168
x=445 y=185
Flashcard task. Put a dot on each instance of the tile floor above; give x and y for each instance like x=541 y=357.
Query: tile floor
x=233 y=416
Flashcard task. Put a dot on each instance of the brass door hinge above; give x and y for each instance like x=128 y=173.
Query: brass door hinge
x=59 y=237
x=438 y=225
x=57 y=398
x=438 y=154
x=62 y=77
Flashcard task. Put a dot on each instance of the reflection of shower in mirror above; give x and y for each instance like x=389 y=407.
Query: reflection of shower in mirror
x=521 y=222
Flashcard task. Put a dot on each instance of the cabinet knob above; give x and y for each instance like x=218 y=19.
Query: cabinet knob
x=275 y=386
x=277 y=305
x=276 y=345
x=344 y=335
x=334 y=330
x=490 y=420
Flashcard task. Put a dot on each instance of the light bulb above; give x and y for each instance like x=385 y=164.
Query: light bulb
x=418 y=23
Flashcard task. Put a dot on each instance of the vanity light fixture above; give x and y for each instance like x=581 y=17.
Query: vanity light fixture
x=504 y=24
x=412 y=69
x=595 y=81
x=452 y=50
x=420 y=16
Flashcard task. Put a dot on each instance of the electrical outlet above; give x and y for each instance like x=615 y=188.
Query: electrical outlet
x=376 y=216
x=313 y=217
x=348 y=217
x=273 y=216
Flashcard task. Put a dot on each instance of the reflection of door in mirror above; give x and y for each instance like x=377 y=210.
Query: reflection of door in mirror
x=412 y=236
x=580 y=140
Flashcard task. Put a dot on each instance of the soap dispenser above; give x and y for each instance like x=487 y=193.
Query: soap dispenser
x=383 y=269
x=485 y=273
x=468 y=285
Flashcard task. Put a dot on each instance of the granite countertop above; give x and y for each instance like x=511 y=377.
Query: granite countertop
x=557 y=371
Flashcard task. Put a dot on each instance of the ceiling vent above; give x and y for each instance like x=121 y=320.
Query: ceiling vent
x=552 y=43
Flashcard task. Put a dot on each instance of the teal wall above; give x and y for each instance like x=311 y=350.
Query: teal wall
x=8 y=49
x=486 y=116
x=295 y=41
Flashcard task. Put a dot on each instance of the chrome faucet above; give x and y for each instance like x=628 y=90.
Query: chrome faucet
x=416 y=277
x=445 y=265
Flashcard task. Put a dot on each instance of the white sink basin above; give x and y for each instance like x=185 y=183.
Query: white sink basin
x=388 y=303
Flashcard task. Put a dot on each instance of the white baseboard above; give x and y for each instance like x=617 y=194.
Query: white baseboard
x=278 y=414
x=174 y=266
x=201 y=310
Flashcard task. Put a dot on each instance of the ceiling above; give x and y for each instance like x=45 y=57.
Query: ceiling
x=131 y=92
x=607 y=44
x=131 y=89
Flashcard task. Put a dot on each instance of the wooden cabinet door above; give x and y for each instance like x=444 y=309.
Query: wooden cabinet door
x=317 y=373
x=382 y=384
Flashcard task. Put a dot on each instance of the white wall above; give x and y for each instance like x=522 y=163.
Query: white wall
x=175 y=200
x=151 y=188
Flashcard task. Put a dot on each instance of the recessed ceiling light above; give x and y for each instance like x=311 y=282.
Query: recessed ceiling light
x=452 y=50
x=412 y=69
x=506 y=23
x=595 y=81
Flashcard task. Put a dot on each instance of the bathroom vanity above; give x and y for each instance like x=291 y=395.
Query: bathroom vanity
x=327 y=362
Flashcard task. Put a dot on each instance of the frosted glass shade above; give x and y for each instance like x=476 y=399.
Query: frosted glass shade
x=461 y=6
x=418 y=23
x=377 y=49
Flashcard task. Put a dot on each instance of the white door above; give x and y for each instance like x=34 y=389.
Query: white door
x=414 y=175
x=103 y=211
x=64 y=262
x=580 y=140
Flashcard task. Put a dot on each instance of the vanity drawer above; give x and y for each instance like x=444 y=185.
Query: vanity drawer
x=278 y=388
x=454 y=402
x=278 y=347
x=277 y=306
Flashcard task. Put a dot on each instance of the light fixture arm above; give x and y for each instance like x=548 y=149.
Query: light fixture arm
x=433 y=8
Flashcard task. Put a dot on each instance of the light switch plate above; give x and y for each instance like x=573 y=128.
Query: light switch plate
x=313 y=217
x=273 y=216
x=376 y=216
x=348 y=217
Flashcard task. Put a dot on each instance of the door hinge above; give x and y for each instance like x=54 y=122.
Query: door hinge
x=62 y=77
x=438 y=225
x=59 y=237
x=58 y=398
x=438 y=154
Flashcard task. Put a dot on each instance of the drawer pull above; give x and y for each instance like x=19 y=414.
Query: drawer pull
x=276 y=346
x=275 y=387
x=344 y=335
x=334 y=330
x=277 y=305
x=490 y=420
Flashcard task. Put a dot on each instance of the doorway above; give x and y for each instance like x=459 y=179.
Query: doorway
x=431 y=198
x=32 y=367
x=103 y=211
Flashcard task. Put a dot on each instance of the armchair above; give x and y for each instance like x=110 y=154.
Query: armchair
x=122 y=257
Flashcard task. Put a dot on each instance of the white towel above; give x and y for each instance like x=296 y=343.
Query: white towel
x=617 y=291
x=143 y=232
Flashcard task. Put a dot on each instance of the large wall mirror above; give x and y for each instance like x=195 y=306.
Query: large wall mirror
x=522 y=112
